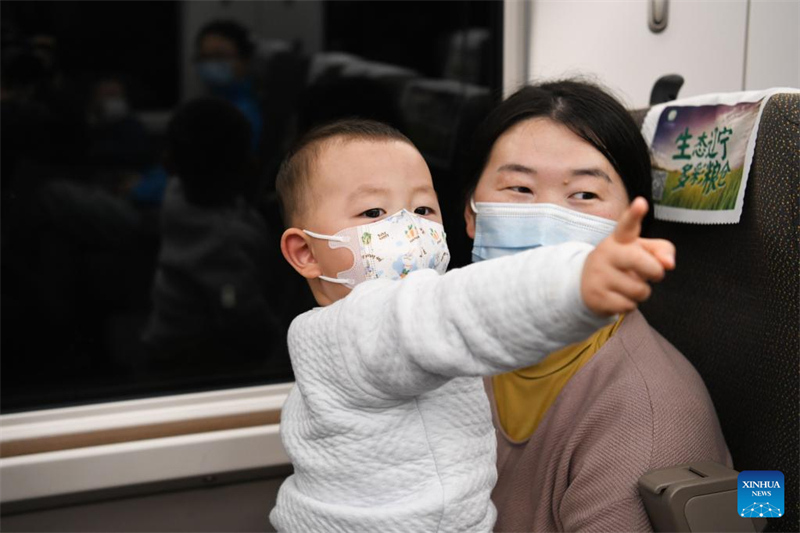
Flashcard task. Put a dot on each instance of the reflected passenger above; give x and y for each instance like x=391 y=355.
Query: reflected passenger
x=555 y=163
x=120 y=145
x=216 y=292
x=223 y=53
x=388 y=426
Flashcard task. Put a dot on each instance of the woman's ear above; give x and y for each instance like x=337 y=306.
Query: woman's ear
x=297 y=251
x=469 y=217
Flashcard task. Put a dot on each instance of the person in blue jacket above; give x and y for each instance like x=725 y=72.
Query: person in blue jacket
x=223 y=53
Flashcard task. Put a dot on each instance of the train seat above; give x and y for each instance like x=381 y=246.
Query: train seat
x=731 y=307
x=341 y=85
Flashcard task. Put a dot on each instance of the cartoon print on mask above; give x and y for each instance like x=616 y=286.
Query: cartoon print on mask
x=411 y=233
x=390 y=248
x=435 y=235
x=404 y=264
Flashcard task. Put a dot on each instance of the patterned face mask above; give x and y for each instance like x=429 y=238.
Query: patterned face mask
x=390 y=248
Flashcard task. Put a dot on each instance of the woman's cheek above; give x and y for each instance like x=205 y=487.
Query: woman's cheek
x=611 y=211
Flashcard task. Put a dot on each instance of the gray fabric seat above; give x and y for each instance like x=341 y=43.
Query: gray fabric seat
x=732 y=306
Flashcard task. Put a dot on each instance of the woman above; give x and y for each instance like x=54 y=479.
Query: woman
x=558 y=162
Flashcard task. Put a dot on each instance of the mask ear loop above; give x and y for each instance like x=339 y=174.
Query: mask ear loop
x=472 y=204
x=348 y=282
x=335 y=238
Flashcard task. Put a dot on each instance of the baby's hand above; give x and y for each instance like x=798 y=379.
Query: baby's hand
x=616 y=273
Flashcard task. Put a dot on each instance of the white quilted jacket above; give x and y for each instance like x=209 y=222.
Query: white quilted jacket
x=388 y=425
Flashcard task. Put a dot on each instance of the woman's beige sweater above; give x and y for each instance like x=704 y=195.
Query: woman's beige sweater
x=636 y=406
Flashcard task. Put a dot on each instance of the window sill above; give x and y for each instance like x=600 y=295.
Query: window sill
x=105 y=446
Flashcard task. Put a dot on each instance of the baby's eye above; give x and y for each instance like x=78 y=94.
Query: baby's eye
x=373 y=213
x=584 y=195
x=520 y=189
x=422 y=211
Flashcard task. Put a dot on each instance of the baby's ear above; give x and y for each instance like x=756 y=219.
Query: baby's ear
x=469 y=217
x=297 y=251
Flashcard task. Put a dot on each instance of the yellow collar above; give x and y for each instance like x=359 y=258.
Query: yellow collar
x=566 y=356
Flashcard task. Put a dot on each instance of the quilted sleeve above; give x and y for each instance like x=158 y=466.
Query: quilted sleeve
x=401 y=339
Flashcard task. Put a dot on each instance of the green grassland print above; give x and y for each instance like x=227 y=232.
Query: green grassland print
x=691 y=196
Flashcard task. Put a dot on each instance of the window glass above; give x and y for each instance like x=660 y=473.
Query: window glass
x=140 y=246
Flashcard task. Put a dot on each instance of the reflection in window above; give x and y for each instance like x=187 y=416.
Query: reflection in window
x=140 y=228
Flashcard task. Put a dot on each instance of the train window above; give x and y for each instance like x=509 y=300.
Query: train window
x=128 y=270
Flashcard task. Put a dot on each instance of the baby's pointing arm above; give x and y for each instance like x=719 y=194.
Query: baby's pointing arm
x=404 y=338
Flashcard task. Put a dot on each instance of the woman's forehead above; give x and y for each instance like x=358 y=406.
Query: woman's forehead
x=541 y=141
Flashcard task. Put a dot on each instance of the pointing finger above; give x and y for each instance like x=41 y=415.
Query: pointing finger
x=642 y=264
x=629 y=225
x=661 y=249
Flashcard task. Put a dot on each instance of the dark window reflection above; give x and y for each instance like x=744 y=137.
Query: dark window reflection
x=140 y=143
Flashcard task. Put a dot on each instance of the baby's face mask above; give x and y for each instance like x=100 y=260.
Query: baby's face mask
x=390 y=248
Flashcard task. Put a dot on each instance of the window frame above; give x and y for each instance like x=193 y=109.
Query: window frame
x=76 y=452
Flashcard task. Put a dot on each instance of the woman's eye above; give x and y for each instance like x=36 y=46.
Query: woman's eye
x=423 y=211
x=584 y=195
x=523 y=190
x=373 y=213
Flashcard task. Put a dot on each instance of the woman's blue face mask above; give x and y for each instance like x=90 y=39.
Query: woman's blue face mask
x=507 y=228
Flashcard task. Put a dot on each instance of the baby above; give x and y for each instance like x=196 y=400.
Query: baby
x=388 y=426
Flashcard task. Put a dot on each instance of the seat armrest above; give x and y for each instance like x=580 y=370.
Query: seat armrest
x=695 y=497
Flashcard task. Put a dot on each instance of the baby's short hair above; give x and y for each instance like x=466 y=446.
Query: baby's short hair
x=294 y=176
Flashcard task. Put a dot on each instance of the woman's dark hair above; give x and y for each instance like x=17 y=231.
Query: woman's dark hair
x=208 y=148
x=233 y=31
x=587 y=110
